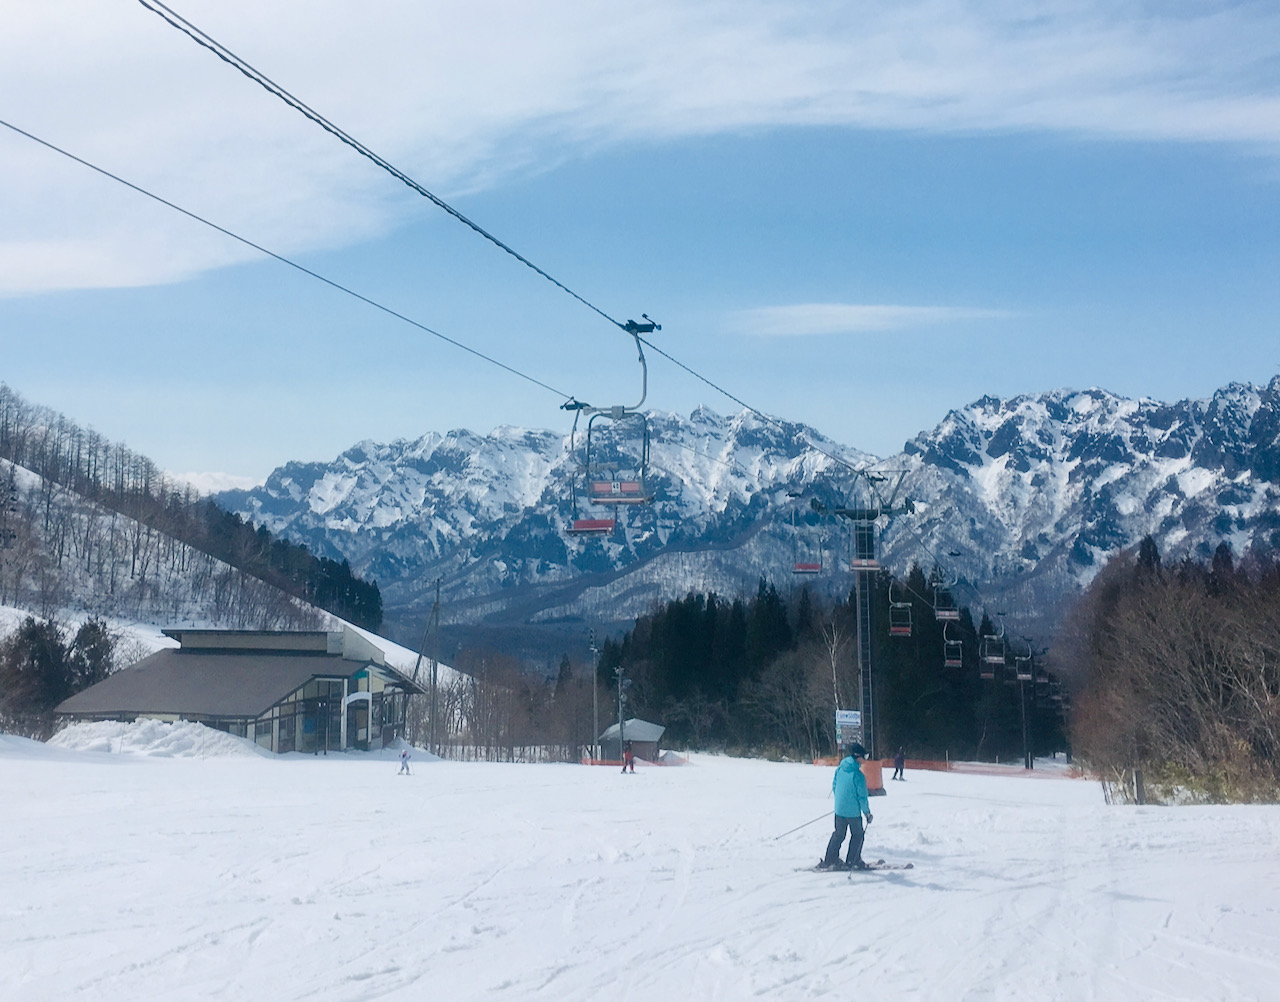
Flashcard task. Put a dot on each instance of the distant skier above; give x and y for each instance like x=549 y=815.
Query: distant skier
x=628 y=758
x=404 y=762
x=850 y=789
x=899 y=760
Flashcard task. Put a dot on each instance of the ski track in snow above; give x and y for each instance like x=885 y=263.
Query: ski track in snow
x=133 y=877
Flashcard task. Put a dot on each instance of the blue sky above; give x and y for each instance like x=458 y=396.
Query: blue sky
x=847 y=215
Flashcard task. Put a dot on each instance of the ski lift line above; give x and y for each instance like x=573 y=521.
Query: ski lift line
x=176 y=20
x=202 y=38
x=706 y=455
x=754 y=410
x=284 y=260
x=938 y=563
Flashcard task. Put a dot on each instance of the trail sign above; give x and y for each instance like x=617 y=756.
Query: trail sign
x=848 y=726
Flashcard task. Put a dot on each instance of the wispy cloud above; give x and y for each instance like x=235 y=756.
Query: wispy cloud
x=459 y=92
x=802 y=319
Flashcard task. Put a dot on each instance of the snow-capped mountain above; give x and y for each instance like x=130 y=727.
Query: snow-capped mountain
x=1022 y=500
x=1037 y=491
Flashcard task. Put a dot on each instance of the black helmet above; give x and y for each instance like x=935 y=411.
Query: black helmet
x=856 y=750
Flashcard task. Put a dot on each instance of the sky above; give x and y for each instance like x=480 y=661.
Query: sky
x=855 y=215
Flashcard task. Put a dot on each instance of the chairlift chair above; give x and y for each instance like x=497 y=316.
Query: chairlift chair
x=803 y=562
x=944 y=605
x=617 y=479
x=899 y=611
x=952 y=649
x=945 y=609
x=1022 y=668
x=992 y=648
x=592 y=526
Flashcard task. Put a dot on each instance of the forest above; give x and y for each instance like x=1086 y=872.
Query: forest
x=764 y=675
x=113 y=477
x=1177 y=678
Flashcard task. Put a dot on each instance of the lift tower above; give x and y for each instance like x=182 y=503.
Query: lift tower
x=865 y=566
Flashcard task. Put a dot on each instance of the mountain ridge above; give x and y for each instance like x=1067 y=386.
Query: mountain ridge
x=1020 y=500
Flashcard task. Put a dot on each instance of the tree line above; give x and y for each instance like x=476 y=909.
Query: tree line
x=114 y=477
x=765 y=675
x=1177 y=678
x=494 y=710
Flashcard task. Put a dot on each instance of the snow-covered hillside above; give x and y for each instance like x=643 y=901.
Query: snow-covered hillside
x=1021 y=499
x=69 y=559
x=132 y=877
x=66 y=555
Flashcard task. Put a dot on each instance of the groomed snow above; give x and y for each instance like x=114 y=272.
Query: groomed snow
x=335 y=879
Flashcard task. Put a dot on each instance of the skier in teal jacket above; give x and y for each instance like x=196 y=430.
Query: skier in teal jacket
x=850 y=789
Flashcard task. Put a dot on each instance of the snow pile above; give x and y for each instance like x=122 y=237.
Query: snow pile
x=182 y=739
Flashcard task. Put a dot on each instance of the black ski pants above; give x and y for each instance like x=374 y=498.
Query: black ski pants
x=854 y=827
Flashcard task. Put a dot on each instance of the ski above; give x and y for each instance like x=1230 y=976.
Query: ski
x=879 y=864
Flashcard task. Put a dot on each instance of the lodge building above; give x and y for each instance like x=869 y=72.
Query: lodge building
x=313 y=691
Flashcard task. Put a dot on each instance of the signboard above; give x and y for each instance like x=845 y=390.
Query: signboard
x=848 y=726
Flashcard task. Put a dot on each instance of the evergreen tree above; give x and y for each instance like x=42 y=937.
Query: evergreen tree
x=91 y=657
x=34 y=673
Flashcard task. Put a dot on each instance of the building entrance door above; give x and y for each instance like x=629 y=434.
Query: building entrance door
x=358 y=725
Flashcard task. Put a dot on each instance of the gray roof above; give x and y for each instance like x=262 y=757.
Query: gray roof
x=213 y=684
x=635 y=730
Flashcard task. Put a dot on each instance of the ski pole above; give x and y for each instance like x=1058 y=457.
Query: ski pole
x=805 y=825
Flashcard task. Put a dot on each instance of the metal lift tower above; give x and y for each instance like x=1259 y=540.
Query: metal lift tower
x=865 y=567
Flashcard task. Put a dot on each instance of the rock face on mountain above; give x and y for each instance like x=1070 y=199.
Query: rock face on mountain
x=1036 y=492
x=1022 y=500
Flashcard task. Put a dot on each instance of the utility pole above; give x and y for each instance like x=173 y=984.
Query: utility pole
x=595 y=698
x=435 y=666
x=433 y=620
x=1026 y=748
x=623 y=682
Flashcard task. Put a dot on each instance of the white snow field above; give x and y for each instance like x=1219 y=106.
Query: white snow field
x=198 y=874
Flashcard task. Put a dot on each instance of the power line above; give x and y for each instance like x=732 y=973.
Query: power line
x=176 y=20
x=754 y=410
x=205 y=40
x=284 y=260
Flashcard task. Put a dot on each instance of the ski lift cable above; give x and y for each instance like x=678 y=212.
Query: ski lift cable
x=385 y=309
x=754 y=410
x=202 y=38
x=284 y=260
x=206 y=41
x=938 y=563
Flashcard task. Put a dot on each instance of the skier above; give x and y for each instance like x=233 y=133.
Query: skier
x=628 y=758
x=850 y=789
x=404 y=762
x=899 y=760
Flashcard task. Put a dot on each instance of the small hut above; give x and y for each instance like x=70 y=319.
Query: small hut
x=645 y=740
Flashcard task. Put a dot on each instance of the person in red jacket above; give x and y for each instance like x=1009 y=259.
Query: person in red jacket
x=628 y=758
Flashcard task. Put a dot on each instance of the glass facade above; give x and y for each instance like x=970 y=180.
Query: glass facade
x=307 y=720
x=310 y=718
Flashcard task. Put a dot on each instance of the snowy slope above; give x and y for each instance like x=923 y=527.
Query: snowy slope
x=131 y=878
